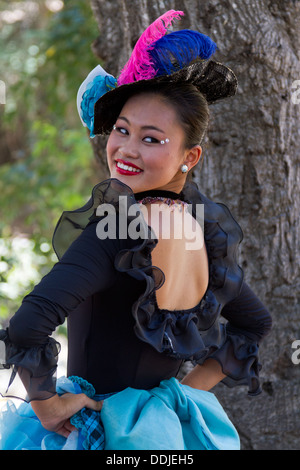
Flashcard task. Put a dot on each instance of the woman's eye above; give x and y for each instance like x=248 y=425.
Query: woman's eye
x=150 y=140
x=121 y=130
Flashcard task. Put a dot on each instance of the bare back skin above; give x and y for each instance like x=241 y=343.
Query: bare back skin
x=181 y=254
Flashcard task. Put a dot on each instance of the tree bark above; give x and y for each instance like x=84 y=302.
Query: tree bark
x=251 y=164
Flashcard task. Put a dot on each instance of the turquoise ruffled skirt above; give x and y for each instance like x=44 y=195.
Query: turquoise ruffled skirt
x=169 y=417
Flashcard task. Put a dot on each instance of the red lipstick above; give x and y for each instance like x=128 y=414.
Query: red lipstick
x=124 y=171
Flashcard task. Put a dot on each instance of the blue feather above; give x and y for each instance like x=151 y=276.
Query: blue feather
x=177 y=49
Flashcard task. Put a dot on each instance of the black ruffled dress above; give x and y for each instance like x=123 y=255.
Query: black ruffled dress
x=117 y=335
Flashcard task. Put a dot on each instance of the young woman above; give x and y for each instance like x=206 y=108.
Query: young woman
x=143 y=275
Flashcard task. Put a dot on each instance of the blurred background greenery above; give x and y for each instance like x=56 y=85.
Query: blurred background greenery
x=46 y=160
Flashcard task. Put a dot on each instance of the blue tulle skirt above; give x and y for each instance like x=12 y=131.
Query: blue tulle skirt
x=169 y=417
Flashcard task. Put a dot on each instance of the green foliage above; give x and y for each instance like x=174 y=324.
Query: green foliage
x=44 y=57
x=22 y=264
x=57 y=174
x=68 y=51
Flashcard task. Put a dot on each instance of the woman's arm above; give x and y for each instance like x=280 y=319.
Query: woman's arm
x=250 y=322
x=86 y=268
x=248 y=315
x=205 y=376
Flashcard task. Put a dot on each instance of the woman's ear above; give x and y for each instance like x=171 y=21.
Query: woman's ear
x=193 y=156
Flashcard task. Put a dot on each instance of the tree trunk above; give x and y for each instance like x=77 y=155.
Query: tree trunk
x=252 y=165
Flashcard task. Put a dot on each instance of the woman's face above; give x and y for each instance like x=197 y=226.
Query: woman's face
x=135 y=153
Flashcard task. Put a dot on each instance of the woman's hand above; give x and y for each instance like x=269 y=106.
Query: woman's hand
x=55 y=412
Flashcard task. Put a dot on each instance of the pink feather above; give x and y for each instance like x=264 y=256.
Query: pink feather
x=139 y=66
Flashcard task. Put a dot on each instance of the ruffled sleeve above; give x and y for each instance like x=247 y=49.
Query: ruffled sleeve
x=235 y=343
x=86 y=266
x=238 y=357
x=248 y=322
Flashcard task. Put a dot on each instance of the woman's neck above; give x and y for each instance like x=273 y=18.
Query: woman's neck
x=158 y=193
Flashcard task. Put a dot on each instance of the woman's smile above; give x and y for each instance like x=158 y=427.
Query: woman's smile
x=126 y=168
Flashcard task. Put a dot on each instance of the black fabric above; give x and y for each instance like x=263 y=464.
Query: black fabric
x=118 y=336
x=158 y=193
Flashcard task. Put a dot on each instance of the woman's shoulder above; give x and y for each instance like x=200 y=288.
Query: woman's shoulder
x=211 y=212
x=108 y=199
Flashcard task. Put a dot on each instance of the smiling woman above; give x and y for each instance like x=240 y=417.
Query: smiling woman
x=138 y=306
x=149 y=137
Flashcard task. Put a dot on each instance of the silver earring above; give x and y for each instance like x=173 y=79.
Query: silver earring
x=184 y=168
x=166 y=141
x=114 y=127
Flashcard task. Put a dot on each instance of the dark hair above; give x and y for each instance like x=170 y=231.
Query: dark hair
x=190 y=105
